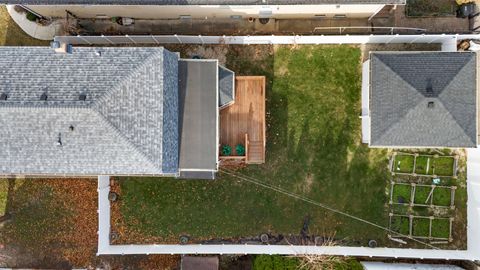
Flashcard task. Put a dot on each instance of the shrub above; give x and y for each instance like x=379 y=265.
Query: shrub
x=31 y=17
x=240 y=149
x=275 y=262
x=226 y=150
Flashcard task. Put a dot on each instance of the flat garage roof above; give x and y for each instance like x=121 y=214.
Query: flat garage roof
x=198 y=96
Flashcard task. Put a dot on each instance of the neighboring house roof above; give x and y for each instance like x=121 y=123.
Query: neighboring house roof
x=423 y=99
x=199 y=263
x=226 y=86
x=127 y=124
x=202 y=2
x=198 y=91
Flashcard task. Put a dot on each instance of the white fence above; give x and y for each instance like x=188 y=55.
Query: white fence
x=105 y=248
x=449 y=42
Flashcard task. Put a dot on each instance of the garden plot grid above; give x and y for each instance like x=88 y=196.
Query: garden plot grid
x=415 y=164
x=412 y=194
x=436 y=229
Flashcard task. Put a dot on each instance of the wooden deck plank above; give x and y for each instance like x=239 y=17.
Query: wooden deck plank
x=246 y=115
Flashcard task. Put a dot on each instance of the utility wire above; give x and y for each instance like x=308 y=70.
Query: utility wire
x=305 y=199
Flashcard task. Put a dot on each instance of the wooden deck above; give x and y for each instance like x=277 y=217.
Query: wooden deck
x=245 y=118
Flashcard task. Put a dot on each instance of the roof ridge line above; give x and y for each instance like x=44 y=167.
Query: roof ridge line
x=95 y=105
x=120 y=135
x=134 y=71
x=441 y=99
x=386 y=65
x=445 y=109
x=411 y=108
x=456 y=122
x=412 y=53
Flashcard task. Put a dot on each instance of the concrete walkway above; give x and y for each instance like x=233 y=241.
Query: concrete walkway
x=34 y=29
x=473 y=202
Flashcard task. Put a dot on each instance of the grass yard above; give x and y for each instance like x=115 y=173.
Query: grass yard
x=53 y=222
x=421 y=195
x=401 y=224
x=421 y=227
x=403 y=163
x=313 y=149
x=443 y=166
x=12 y=35
x=441 y=228
x=402 y=193
x=3 y=196
x=442 y=196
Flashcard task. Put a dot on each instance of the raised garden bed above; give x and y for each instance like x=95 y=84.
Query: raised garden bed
x=443 y=166
x=423 y=165
x=442 y=228
x=403 y=163
x=431 y=8
x=421 y=227
x=421 y=195
x=402 y=193
x=442 y=197
x=400 y=224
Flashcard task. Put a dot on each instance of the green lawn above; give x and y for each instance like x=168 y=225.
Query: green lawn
x=313 y=149
x=12 y=35
x=402 y=193
x=421 y=227
x=443 y=166
x=403 y=163
x=421 y=195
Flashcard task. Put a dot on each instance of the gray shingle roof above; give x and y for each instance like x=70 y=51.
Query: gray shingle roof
x=226 y=84
x=423 y=99
x=200 y=2
x=124 y=126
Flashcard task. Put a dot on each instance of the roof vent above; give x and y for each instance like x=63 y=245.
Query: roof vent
x=3 y=96
x=98 y=53
x=431 y=104
x=72 y=128
x=82 y=97
x=429 y=88
x=44 y=97
x=59 y=141
x=55 y=44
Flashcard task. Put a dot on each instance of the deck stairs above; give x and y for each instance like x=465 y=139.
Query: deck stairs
x=256 y=154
